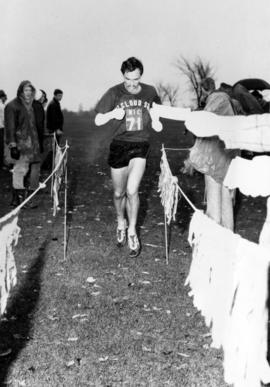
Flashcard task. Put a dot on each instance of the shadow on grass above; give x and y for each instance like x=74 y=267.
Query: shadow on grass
x=144 y=196
x=184 y=214
x=15 y=327
x=268 y=326
x=71 y=193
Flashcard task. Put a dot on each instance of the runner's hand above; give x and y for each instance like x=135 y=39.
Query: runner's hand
x=103 y=118
x=156 y=124
x=118 y=113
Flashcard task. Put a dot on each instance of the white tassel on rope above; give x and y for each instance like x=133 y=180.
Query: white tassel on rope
x=9 y=233
x=168 y=188
x=252 y=177
x=228 y=281
x=238 y=132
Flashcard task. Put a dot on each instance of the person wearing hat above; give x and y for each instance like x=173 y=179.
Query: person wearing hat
x=3 y=98
x=21 y=121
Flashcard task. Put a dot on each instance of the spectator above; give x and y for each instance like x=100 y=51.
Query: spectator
x=126 y=106
x=23 y=141
x=248 y=102
x=237 y=107
x=209 y=156
x=3 y=98
x=38 y=104
x=44 y=137
x=41 y=96
x=54 y=116
x=264 y=104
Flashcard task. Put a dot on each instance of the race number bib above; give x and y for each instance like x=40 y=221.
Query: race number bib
x=134 y=120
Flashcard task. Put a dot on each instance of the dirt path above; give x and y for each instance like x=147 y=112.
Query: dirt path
x=100 y=318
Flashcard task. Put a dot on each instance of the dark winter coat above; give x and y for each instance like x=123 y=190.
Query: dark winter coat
x=21 y=125
x=40 y=121
x=54 y=116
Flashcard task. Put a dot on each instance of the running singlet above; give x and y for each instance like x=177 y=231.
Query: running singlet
x=136 y=124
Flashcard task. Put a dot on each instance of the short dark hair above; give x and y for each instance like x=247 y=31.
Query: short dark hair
x=132 y=64
x=57 y=91
x=2 y=94
x=208 y=84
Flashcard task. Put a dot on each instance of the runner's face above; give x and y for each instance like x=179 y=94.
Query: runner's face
x=132 y=81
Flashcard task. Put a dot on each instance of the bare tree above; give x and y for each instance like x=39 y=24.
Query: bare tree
x=80 y=108
x=167 y=92
x=195 y=71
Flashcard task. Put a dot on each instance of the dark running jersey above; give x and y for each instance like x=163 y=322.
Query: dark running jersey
x=136 y=124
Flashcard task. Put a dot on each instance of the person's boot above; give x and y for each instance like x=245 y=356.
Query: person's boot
x=18 y=196
x=32 y=202
x=15 y=198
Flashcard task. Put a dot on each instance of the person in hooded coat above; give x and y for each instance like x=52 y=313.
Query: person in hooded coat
x=23 y=140
x=210 y=157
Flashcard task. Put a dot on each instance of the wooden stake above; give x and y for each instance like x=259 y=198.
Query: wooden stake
x=264 y=238
x=53 y=161
x=166 y=239
x=65 y=210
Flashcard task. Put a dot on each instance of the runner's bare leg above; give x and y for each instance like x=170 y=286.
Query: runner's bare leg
x=136 y=170
x=119 y=181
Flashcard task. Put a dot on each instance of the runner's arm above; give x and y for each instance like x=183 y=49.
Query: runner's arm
x=103 y=118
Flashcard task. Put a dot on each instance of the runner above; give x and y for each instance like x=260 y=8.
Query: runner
x=126 y=106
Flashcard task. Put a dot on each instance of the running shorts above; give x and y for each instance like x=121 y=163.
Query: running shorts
x=121 y=152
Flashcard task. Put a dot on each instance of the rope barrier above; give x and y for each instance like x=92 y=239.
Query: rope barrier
x=187 y=199
x=41 y=186
x=178 y=149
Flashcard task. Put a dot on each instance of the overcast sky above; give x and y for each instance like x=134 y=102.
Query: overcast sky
x=79 y=46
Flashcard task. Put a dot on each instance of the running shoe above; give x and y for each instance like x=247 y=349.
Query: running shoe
x=121 y=235
x=134 y=246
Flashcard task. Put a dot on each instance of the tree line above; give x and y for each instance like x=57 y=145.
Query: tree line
x=195 y=71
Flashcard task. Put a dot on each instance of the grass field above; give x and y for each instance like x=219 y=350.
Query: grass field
x=100 y=318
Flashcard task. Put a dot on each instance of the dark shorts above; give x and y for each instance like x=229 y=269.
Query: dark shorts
x=121 y=152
